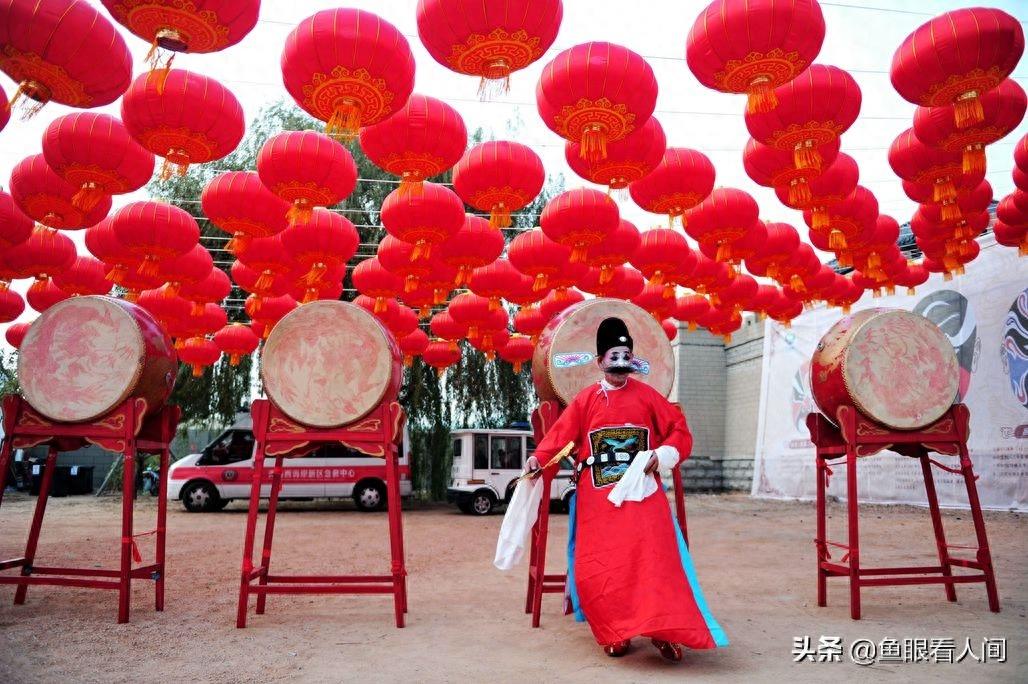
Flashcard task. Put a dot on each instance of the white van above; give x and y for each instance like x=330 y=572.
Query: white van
x=487 y=464
x=223 y=471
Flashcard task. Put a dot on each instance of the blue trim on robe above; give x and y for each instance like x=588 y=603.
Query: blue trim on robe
x=718 y=634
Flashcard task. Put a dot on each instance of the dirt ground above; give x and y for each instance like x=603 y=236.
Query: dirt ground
x=755 y=560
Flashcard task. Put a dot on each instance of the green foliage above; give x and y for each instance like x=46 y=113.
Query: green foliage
x=8 y=373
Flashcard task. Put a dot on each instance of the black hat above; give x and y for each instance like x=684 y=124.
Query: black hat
x=612 y=333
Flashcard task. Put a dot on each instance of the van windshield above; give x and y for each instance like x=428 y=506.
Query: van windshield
x=231 y=447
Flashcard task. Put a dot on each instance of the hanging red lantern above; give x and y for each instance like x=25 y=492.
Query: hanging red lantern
x=190 y=267
x=440 y=354
x=476 y=313
x=16 y=333
x=413 y=344
x=490 y=341
x=237 y=340
x=1012 y=209
x=267 y=257
x=557 y=301
x=518 y=351
x=5 y=111
x=371 y=278
x=134 y=282
x=168 y=310
x=579 y=219
x=475 y=245
x=1002 y=111
x=707 y=275
x=401 y=320
x=423 y=219
x=521 y=292
x=238 y=203
x=581 y=97
x=213 y=289
x=621 y=283
x=918 y=163
x=196 y=26
x=349 y=68
x=15 y=226
x=330 y=287
x=616 y=249
x=62 y=50
x=835 y=183
x=199 y=353
x=385 y=311
x=738 y=294
x=421 y=298
x=813 y=110
x=956 y=58
x=425 y=138
x=653 y=300
x=85 y=276
x=43 y=255
x=530 y=322
x=848 y=218
x=500 y=177
x=187 y=118
x=307 y=170
x=262 y=285
x=670 y=328
x=970 y=201
x=44 y=196
x=325 y=241
x=682 y=179
x=664 y=258
x=445 y=327
x=691 y=309
x=152 y=232
x=495 y=281
x=802 y=264
x=95 y=154
x=42 y=294
x=272 y=310
x=397 y=256
x=1012 y=236
x=754 y=47
x=538 y=256
x=762 y=300
x=780 y=242
x=486 y=39
x=11 y=305
x=627 y=160
x=774 y=168
x=722 y=219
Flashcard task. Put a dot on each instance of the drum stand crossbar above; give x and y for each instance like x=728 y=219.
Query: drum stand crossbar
x=279 y=436
x=857 y=437
x=126 y=430
x=539 y=582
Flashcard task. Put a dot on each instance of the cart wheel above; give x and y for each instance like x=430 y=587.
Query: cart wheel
x=201 y=497
x=483 y=502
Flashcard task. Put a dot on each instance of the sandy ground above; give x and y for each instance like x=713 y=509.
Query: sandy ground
x=755 y=560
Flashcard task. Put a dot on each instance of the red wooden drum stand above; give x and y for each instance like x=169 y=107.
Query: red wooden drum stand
x=277 y=435
x=539 y=582
x=127 y=430
x=857 y=436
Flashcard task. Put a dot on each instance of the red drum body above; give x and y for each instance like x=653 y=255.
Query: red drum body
x=86 y=355
x=330 y=363
x=565 y=357
x=895 y=367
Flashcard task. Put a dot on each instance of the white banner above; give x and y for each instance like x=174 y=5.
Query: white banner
x=985 y=315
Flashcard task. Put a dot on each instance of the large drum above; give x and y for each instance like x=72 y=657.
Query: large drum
x=86 y=355
x=565 y=357
x=330 y=363
x=895 y=367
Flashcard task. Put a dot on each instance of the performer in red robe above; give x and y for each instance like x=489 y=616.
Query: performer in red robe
x=631 y=569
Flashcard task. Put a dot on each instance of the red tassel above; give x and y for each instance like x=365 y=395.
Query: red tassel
x=264 y=281
x=836 y=240
x=950 y=211
x=314 y=275
x=973 y=160
x=517 y=367
x=233 y=359
x=944 y=189
x=148 y=267
x=380 y=305
x=593 y=146
x=606 y=274
x=967 y=110
x=724 y=252
x=799 y=192
x=411 y=184
x=806 y=156
x=499 y=217
x=423 y=250
x=760 y=96
x=87 y=197
x=300 y=212
x=345 y=121
x=541 y=280
x=579 y=253
x=819 y=218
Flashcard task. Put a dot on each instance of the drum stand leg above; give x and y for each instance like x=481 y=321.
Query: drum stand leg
x=984 y=556
x=940 y=534
x=251 y=530
x=6 y=451
x=162 y=527
x=854 y=535
x=269 y=532
x=37 y=522
x=533 y=559
x=399 y=571
x=539 y=569
x=128 y=492
x=821 y=536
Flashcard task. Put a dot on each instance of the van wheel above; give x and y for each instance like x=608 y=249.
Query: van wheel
x=370 y=496
x=201 y=497
x=483 y=502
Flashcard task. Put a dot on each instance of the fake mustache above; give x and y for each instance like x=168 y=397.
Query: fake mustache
x=620 y=368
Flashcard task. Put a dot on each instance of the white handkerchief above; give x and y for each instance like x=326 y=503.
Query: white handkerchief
x=521 y=514
x=635 y=484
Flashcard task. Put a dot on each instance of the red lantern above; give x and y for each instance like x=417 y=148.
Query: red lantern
x=267 y=257
x=754 y=47
x=85 y=276
x=691 y=309
x=211 y=290
x=707 y=275
x=5 y=111
x=196 y=26
x=44 y=196
x=272 y=310
x=440 y=281
x=490 y=341
x=262 y=285
x=371 y=278
x=518 y=351
x=413 y=344
x=848 y=219
x=96 y=154
x=970 y=201
x=495 y=281
x=11 y=305
x=401 y=320
x=1012 y=236
x=486 y=39
x=425 y=138
x=916 y=162
x=239 y=204
x=198 y=353
x=43 y=255
x=444 y=326
x=475 y=245
x=397 y=256
x=538 y=256
x=683 y=179
x=1012 y=209
x=330 y=287
x=774 y=168
x=530 y=322
x=152 y=232
x=476 y=313
x=780 y=242
x=664 y=258
x=670 y=328
x=169 y=310
x=582 y=98
x=762 y=301
x=348 y=68
x=653 y=300
x=421 y=298
x=738 y=294
x=441 y=355
x=619 y=247
x=423 y=219
x=16 y=333
x=15 y=226
x=834 y=184
x=499 y=177
x=627 y=160
x=62 y=50
x=558 y=301
x=813 y=110
x=1002 y=110
x=723 y=219
x=191 y=267
x=307 y=170
x=325 y=241
x=623 y=283
x=957 y=57
x=579 y=219
x=43 y=294
x=236 y=340
x=802 y=264
x=186 y=118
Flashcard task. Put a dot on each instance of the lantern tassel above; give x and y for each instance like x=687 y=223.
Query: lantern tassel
x=380 y=305
x=772 y=270
x=1022 y=249
x=300 y=212
x=657 y=278
x=911 y=291
x=950 y=211
x=606 y=273
x=499 y=216
x=967 y=110
x=799 y=192
x=411 y=184
x=439 y=372
x=149 y=267
x=133 y=295
x=874 y=261
x=463 y=275
x=836 y=240
x=517 y=367
x=37 y=95
x=116 y=274
x=669 y=291
x=495 y=80
x=197 y=309
x=973 y=160
x=806 y=157
x=171 y=290
x=197 y=370
x=309 y=295
x=541 y=281
x=408 y=360
x=819 y=218
x=425 y=311
x=944 y=189
x=264 y=281
x=423 y=250
x=233 y=359
x=796 y=283
x=724 y=252
x=315 y=274
x=410 y=283
x=494 y=303
x=692 y=326
x=593 y=146
x=87 y=197
x=345 y=121
x=760 y=96
x=579 y=253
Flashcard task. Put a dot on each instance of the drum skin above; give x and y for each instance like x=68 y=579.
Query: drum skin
x=330 y=363
x=86 y=355
x=564 y=362
x=895 y=367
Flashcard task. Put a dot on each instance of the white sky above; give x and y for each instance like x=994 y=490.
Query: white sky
x=861 y=38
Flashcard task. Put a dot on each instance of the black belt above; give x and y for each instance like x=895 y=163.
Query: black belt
x=604 y=459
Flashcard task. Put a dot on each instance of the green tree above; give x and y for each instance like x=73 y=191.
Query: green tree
x=8 y=373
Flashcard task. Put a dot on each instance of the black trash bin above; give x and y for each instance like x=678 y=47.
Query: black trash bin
x=68 y=480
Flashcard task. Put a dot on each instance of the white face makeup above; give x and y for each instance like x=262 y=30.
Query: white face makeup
x=617 y=360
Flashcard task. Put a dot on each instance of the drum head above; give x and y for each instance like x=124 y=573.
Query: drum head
x=565 y=358
x=328 y=363
x=900 y=370
x=80 y=359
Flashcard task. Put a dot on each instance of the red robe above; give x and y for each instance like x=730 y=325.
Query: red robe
x=627 y=567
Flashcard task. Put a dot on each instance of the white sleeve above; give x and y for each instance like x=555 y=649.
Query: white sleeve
x=667 y=456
